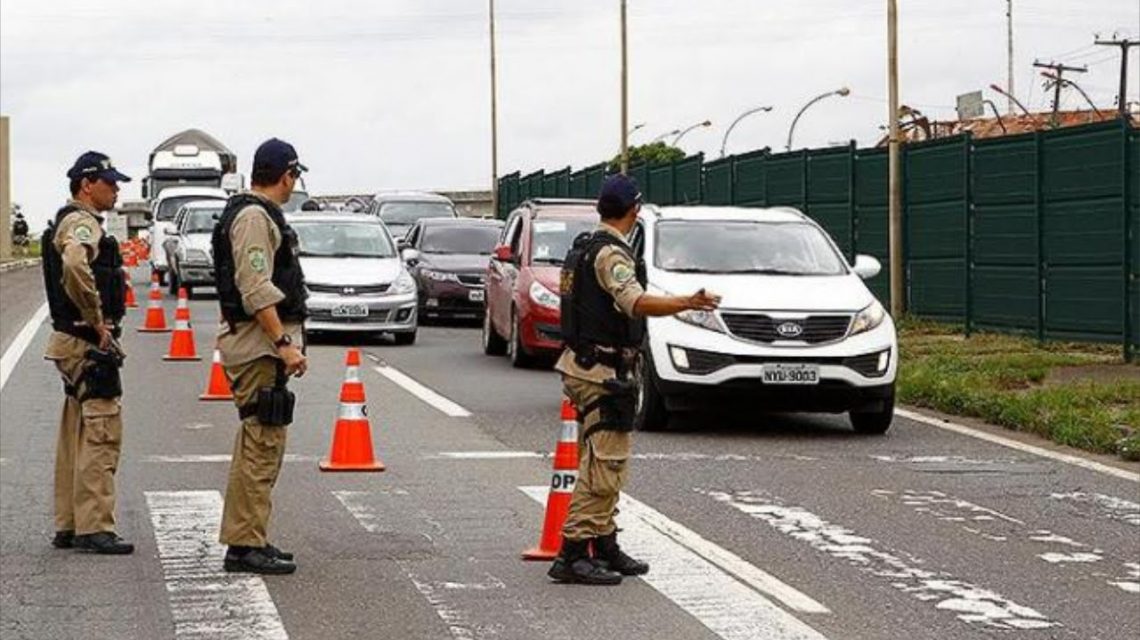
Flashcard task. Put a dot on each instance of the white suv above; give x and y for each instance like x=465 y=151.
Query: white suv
x=797 y=330
x=165 y=207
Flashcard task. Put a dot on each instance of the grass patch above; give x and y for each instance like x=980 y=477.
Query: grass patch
x=1013 y=382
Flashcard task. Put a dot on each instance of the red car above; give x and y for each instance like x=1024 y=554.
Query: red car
x=522 y=317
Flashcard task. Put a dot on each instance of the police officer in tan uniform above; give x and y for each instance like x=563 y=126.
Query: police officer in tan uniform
x=83 y=277
x=603 y=306
x=261 y=291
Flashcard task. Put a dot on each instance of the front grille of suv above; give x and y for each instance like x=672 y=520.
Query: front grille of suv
x=471 y=280
x=348 y=290
x=762 y=328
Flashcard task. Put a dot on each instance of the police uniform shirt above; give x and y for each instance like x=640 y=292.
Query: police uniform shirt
x=77 y=241
x=617 y=273
x=255 y=239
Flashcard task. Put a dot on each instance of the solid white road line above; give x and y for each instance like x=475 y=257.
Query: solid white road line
x=205 y=601
x=216 y=457
x=1078 y=461
x=719 y=598
x=423 y=393
x=487 y=455
x=20 y=344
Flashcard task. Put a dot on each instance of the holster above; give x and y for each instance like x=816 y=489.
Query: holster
x=616 y=409
x=100 y=376
x=274 y=405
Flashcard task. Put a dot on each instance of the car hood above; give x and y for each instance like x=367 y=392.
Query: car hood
x=350 y=271
x=455 y=262
x=776 y=293
x=200 y=241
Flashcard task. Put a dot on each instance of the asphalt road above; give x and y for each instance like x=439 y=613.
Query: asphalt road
x=757 y=526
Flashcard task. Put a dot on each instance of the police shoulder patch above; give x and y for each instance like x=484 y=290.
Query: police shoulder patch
x=83 y=233
x=622 y=272
x=257 y=259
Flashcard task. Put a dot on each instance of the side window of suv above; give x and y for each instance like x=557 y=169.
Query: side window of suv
x=515 y=238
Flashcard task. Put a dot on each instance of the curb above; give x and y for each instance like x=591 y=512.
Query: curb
x=19 y=264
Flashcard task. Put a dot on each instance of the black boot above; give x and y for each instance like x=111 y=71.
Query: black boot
x=63 y=539
x=256 y=560
x=103 y=543
x=278 y=553
x=606 y=549
x=573 y=564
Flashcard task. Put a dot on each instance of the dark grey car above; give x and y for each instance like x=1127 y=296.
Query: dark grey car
x=448 y=258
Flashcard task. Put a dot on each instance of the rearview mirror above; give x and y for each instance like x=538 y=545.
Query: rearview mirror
x=866 y=267
x=503 y=254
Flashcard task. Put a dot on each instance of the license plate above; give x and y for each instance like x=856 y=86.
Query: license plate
x=790 y=374
x=475 y=295
x=350 y=311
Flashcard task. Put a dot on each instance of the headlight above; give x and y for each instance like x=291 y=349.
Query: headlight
x=405 y=283
x=197 y=255
x=438 y=276
x=868 y=318
x=702 y=319
x=544 y=297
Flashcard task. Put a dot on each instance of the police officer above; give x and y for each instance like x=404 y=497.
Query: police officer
x=83 y=276
x=261 y=290
x=603 y=304
x=20 y=230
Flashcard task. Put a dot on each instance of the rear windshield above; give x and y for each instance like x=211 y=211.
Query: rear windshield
x=411 y=212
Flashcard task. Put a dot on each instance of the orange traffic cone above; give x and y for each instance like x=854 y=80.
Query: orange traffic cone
x=182 y=340
x=130 y=300
x=562 y=483
x=352 y=436
x=218 y=388
x=155 y=316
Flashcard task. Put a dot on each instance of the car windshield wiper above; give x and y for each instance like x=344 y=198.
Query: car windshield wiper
x=691 y=270
x=772 y=272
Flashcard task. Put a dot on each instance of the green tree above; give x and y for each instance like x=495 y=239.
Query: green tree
x=655 y=153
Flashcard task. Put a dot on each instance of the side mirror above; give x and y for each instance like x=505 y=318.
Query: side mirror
x=410 y=256
x=401 y=243
x=503 y=254
x=866 y=267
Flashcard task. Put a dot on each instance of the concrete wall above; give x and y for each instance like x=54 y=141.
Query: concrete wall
x=5 y=192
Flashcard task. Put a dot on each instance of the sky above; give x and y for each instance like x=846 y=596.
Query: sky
x=380 y=94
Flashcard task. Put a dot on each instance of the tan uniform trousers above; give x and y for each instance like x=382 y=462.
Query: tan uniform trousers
x=86 y=458
x=258 y=453
x=603 y=466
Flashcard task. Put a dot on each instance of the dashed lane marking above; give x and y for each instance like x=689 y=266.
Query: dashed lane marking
x=418 y=390
x=205 y=601
x=1077 y=461
x=20 y=344
x=1110 y=507
x=649 y=456
x=713 y=585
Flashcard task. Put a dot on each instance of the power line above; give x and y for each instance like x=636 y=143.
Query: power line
x=1125 y=45
x=1059 y=70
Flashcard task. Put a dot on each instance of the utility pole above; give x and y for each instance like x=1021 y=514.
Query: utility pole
x=898 y=305
x=1009 y=50
x=624 y=96
x=494 y=119
x=1122 y=101
x=1059 y=71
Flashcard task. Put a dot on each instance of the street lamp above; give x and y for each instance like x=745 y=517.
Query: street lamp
x=665 y=135
x=706 y=123
x=842 y=92
x=635 y=128
x=732 y=126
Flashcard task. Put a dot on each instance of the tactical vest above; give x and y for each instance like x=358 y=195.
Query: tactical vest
x=287 y=275
x=109 y=280
x=589 y=316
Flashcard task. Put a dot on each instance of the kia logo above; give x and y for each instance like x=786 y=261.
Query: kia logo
x=348 y=291
x=789 y=330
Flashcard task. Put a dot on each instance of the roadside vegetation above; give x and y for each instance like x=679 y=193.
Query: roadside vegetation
x=1081 y=395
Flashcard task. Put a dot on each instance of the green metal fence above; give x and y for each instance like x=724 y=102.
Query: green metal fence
x=1037 y=233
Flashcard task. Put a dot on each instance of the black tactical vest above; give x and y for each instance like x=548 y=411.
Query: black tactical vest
x=589 y=316
x=109 y=280
x=287 y=275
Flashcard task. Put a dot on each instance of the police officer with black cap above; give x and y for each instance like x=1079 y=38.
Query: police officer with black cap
x=86 y=289
x=603 y=306
x=261 y=290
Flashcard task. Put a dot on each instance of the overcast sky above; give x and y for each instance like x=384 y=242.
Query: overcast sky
x=395 y=93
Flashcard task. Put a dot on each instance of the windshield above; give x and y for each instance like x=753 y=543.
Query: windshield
x=170 y=206
x=721 y=246
x=410 y=212
x=551 y=239
x=478 y=239
x=296 y=199
x=201 y=220
x=344 y=240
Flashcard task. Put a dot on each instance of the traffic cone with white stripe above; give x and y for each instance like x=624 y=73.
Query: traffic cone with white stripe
x=218 y=387
x=351 y=448
x=562 y=482
x=155 y=315
x=130 y=300
x=182 y=340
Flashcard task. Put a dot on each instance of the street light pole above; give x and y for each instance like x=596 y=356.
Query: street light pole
x=624 y=95
x=494 y=118
x=1009 y=50
x=665 y=135
x=724 y=140
x=898 y=306
x=843 y=91
x=635 y=128
x=706 y=123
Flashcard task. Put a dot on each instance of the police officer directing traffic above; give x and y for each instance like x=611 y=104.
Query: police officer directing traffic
x=603 y=306
x=261 y=289
x=86 y=288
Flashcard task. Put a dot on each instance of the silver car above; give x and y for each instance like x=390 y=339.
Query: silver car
x=190 y=254
x=355 y=277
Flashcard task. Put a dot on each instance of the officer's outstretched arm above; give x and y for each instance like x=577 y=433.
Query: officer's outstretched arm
x=649 y=305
